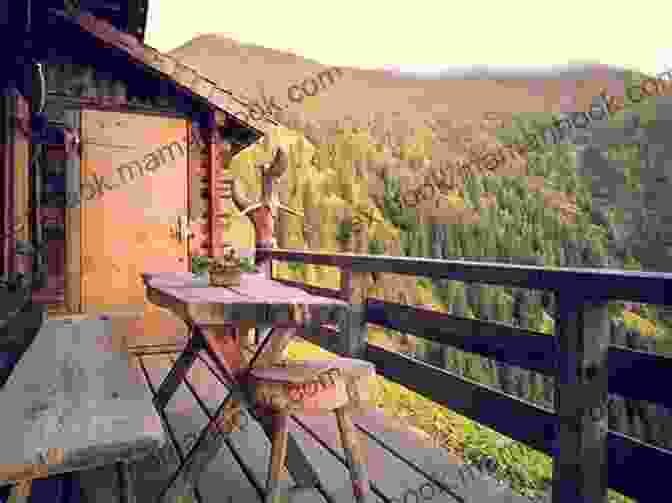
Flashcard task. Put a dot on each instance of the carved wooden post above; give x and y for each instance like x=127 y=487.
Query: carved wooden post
x=582 y=343
x=263 y=212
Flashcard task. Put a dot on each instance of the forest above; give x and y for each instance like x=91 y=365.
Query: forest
x=348 y=180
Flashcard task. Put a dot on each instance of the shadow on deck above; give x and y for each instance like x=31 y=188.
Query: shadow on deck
x=402 y=467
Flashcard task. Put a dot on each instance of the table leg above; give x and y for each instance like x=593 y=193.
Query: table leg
x=223 y=341
x=272 y=351
x=176 y=375
x=222 y=350
x=126 y=489
x=246 y=339
x=205 y=440
x=262 y=331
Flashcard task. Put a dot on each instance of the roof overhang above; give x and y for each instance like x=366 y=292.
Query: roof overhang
x=125 y=15
x=156 y=65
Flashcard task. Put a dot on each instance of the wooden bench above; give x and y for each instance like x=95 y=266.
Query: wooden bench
x=70 y=405
x=18 y=327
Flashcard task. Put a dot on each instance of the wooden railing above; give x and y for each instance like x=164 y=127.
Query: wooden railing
x=587 y=456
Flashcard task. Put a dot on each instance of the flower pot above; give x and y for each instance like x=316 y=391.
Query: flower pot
x=226 y=277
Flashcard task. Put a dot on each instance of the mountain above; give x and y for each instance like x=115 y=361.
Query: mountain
x=399 y=101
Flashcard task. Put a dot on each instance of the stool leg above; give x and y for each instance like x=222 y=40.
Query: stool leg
x=22 y=491
x=354 y=456
x=278 y=456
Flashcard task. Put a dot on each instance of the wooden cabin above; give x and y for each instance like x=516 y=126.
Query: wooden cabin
x=136 y=182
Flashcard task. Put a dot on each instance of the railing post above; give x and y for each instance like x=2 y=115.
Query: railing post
x=582 y=343
x=352 y=328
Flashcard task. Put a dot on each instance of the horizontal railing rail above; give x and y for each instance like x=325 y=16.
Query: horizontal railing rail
x=523 y=348
x=594 y=284
x=576 y=432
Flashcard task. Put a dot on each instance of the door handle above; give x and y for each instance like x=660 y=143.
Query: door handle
x=187 y=233
x=183 y=230
x=177 y=230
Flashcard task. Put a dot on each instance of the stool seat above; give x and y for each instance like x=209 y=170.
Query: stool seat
x=308 y=370
x=314 y=387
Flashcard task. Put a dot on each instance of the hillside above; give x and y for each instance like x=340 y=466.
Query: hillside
x=399 y=123
x=361 y=144
x=394 y=102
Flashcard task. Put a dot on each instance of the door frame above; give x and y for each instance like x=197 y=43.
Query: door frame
x=72 y=118
x=73 y=220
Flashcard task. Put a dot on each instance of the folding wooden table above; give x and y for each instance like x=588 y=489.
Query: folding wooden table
x=267 y=304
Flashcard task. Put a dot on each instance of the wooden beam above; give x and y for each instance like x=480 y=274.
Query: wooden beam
x=648 y=367
x=352 y=324
x=73 y=223
x=520 y=420
x=634 y=286
x=504 y=343
x=515 y=346
x=101 y=5
x=581 y=386
x=314 y=290
x=637 y=469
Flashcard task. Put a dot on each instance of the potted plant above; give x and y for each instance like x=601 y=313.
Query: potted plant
x=199 y=265
x=227 y=270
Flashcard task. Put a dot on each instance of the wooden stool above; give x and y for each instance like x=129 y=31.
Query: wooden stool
x=314 y=387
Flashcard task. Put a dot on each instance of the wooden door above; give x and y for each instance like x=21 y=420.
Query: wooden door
x=133 y=190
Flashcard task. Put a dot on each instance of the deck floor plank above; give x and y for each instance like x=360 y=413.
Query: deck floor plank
x=100 y=485
x=436 y=462
x=332 y=473
x=225 y=481
x=391 y=476
x=251 y=443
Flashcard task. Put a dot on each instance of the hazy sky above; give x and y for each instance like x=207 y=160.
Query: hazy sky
x=431 y=34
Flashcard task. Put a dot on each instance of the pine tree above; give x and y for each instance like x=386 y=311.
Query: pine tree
x=460 y=300
x=473 y=298
x=476 y=192
x=491 y=244
x=502 y=310
x=448 y=244
x=449 y=295
x=486 y=303
x=451 y=359
x=312 y=216
x=468 y=365
x=519 y=307
x=345 y=172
